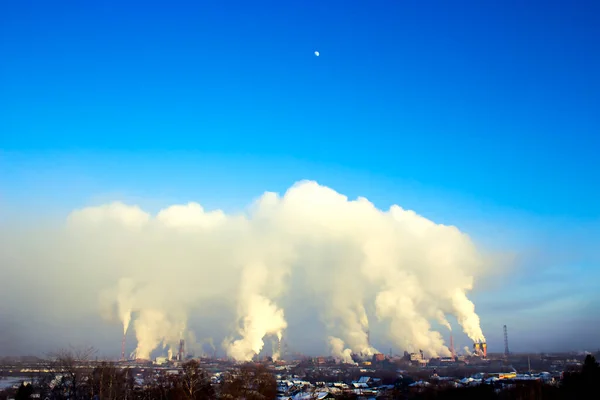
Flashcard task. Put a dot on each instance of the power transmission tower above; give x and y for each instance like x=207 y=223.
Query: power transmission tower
x=506 y=352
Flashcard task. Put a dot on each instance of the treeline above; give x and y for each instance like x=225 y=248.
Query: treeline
x=69 y=381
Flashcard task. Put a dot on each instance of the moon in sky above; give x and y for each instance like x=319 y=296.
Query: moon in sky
x=317 y=53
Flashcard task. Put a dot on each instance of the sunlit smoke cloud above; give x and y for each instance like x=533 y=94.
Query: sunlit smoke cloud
x=441 y=318
x=260 y=318
x=156 y=271
x=465 y=313
x=154 y=328
x=339 y=350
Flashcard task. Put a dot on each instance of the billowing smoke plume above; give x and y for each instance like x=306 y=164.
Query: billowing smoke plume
x=441 y=318
x=344 y=257
x=260 y=317
x=465 y=312
x=339 y=351
x=154 y=327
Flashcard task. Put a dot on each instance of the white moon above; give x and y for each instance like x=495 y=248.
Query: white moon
x=317 y=53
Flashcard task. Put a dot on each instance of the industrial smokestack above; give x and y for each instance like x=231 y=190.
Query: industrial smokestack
x=279 y=348
x=123 y=348
x=480 y=349
x=181 y=355
x=452 y=347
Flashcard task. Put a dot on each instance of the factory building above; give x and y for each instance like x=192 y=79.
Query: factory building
x=418 y=358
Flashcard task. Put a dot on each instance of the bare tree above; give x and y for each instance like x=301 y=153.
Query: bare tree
x=159 y=387
x=107 y=382
x=194 y=382
x=249 y=382
x=68 y=376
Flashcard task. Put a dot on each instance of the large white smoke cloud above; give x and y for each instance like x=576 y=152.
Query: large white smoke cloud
x=348 y=255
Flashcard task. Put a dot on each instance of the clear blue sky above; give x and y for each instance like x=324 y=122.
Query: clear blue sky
x=466 y=111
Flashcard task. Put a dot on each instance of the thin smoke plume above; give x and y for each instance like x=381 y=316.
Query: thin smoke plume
x=154 y=273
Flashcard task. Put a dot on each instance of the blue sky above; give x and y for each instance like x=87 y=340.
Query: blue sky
x=482 y=114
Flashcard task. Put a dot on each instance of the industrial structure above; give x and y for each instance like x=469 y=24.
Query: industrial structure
x=506 y=351
x=417 y=358
x=181 y=354
x=480 y=349
x=123 y=348
x=279 y=348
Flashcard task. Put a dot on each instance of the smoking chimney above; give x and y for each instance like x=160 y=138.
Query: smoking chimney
x=452 y=347
x=279 y=349
x=181 y=355
x=123 y=348
x=480 y=349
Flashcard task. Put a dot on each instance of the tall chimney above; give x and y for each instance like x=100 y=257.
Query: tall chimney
x=123 y=348
x=181 y=350
x=452 y=347
x=279 y=349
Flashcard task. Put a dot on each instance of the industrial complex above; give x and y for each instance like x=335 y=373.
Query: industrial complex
x=300 y=377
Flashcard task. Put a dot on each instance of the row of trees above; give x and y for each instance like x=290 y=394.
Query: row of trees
x=70 y=379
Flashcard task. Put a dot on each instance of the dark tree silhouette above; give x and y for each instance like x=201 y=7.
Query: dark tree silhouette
x=24 y=392
x=194 y=382
x=584 y=384
x=68 y=379
x=249 y=382
x=159 y=387
x=590 y=366
x=106 y=382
